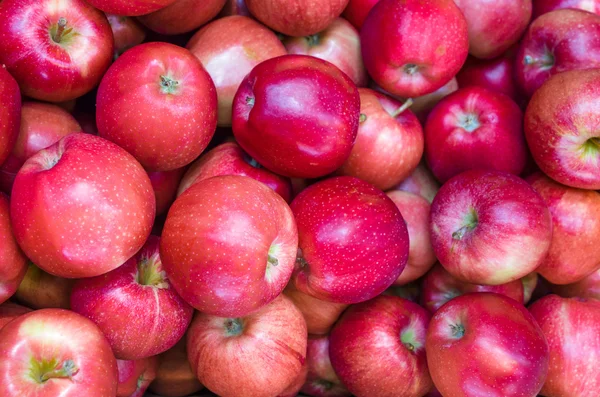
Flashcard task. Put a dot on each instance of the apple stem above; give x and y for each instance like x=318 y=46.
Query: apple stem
x=272 y=260
x=408 y=103
x=458 y=331
x=60 y=29
x=362 y=118
x=300 y=261
x=233 y=326
x=68 y=370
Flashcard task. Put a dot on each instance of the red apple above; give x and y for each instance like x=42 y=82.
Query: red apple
x=485 y=344
x=12 y=261
x=377 y=348
x=415 y=211
x=494 y=74
x=41 y=290
x=475 y=128
x=256 y=355
x=560 y=127
x=557 y=42
x=293 y=389
x=574 y=252
x=229 y=48
x=56 y=50
x=588 y=287
x=489 y=227
x=42 y=125
x=165 y=184
x=421 y=182
x=405 y=54
x=322 y=380
x=158 y=103
x=339 y=44
x=9 y=311
x=240 y=242
x=389 y=144
x=235 y=7
x=272 y=106
x=55 y=352
x=357 y=10
x=571 y=327
x=127 y=32
x=296 y=17
x=529 y=282
x=182 y=16
x=9 y=113
x=130 y=7
x=544 y=6
x=135 y=306
x=135 y=376
x=81 y=207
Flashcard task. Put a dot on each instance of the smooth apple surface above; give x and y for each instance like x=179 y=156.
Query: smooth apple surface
x=389 y=143
x=127 y=32
x=41 y=290
x=158 y=103
x=293 y=389
x=271 y=106
x=165 y=184
x=357 y=10
x=475 y=128
x=494 y=74
x=135 y=376
x=420 y=182
x=81 y=207
x=10 y=113
x=353 y=241
x=485 y=344
x=56 y=50
x=571 y=327
x=182 y=16
x=55 y=352
x=9 y=311
x=377 y=348
x=259 y=354
x=489 y=227
x=404 y=55
x=130 y=7
x=588 y=288
x=322 y=380
x=13 y=264
x=544 y=6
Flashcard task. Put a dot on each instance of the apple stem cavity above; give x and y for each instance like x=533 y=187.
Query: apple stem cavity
x=60 y=30
x=408 y=103
x=362 y=118
x=45 y=370
x=458 y=330
x=250 y=101
x=233 y=326
x=313 y=40
x=410 y=69
x=470 y=223
x=469 y=122
x=168 y=85
x=408 y=337
x=149 y=272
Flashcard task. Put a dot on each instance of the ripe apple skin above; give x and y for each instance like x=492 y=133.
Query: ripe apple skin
x=588 y=288
x=556 y=42
x=339 y=44
x=421 y=182
x=475 y=128
x=389 y=143
x=136 y=376
x=158 y=103
x=59 y=341
x=114 y=209
x=241 y=243
x=294 y=388
x=408 y=64
x=544 y=6
x=13 y=264
x=182 y=16
x=217 y=346
x=235 y=7
x=135 y=305
x=494 y=74
x=353 y=241
x=41 y=290
x=9 y=311
x=270 y=106
x=574 y=251
x=165 y=184
x=129 y=8
x=127 y=32
x=378 y=348
x=489 y=227
x=486 y=344
x=42 y=124
x=322 y=380
x=494 y=26
x=229 y=48
x=560 y=128
x=573 y=371
x=44 y=68
x=10 y=113
x=296 y=17
x=230 y=159
x=357 y=10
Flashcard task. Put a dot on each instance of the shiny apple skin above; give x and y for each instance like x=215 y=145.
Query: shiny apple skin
x=588 y=288
x=130 y=8
x=9 y=311
x=475 y=128
x=296 y=17
x=271 y=106
x=165 y=184
x=415 y=211
x=182 y=16
x=557 y=42
x=357 y=10
x=13 y=263
x=47 y=70
x=388 y=147
x=503 y=352
x=560 y=128
x=544 y=6
x=235 y=7
x=420 y=182
x=353 y=241
x=571 y=327
x=91 y=211
x=10 y=113
x=265 y=356
x=339 y=44
x=61 y=335
x=230 y=159
x=322 y=380
x=42 y=124
x=127 y=32
x=494 y=74
x=370 y=354
x=229 y=48
x=574 y=253
x=41 y=290
x=489 y=227
x=408 y=64
x=163 y=127
x=135 y=376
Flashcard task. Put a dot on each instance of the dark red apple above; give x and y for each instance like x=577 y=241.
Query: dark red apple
x=56 y=50
x=357 y=10
x=127 y=32
x=494 y=74
x=9 y=311
x=475 y=128
x=235 y=7
x=158 y=103
x=272 y=105
x=182 y=16
x=353 y=241
x=41 y=290
x=588 y=288
x=165 y=184
x=405 y=54
x=322 y=380
x=377 y=348
x=485 y=344
x=130 y=7
x=135 y=376
x=12 y=261
x=544 y=6
x=81 y=207
x=271 y=344
x=10 y=113
x=421 y=182
x=489 y=227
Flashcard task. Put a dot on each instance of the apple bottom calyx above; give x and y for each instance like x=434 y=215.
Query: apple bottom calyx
x=469 y=122
x=168 y=85
x=42 y=371
x=458 y=330
x=234 y=327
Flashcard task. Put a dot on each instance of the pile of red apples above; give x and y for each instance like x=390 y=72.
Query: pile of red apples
x=278 y=198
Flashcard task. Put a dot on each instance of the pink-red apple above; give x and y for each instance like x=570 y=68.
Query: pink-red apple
x=165 y=184
x=322 y=380
x=421 y=182
x=130 y=7
x=10 y=113
x=9 y=311
x=135 y=376
x=293 y=388
x=588 y=287
x=182 y=16
x=12 y=261
x=127 y=32
x=41 y=290
x=357 y=10
x=494 y=74
x=544 y=6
